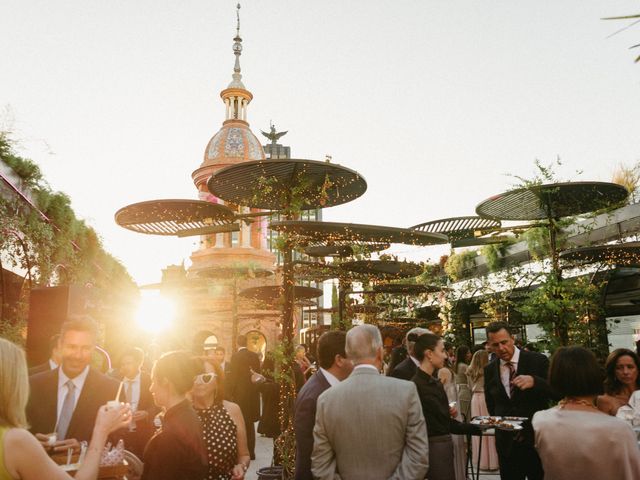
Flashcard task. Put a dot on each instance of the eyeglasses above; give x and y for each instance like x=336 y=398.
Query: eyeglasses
x=205 y=378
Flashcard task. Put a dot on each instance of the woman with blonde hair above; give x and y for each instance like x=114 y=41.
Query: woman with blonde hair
x=21 y=455
x=475 y=374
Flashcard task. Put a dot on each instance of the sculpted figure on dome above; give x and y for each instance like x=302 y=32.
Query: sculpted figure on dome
x=273 y=135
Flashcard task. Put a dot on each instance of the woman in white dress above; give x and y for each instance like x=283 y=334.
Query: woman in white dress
x=575 y=440
x=475 y=374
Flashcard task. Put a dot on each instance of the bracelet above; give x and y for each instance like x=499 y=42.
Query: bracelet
x=244 y=467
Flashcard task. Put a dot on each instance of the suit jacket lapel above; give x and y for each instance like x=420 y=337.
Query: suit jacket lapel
x=83 y=403
x=51 y=407
x=523 y=364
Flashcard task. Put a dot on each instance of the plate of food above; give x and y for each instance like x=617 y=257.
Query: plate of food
x=496 y=422
x=515 y=419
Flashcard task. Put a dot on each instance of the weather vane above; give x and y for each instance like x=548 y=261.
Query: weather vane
x=273 y=135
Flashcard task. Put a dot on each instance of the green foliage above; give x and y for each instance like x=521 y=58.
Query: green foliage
x=544 y=174
x=59 y=251
x=335 y=319
x=454 y=325
x=567 y=310
x=459 y=264
x=493 y=254
x=537 y=239
x=283 y=374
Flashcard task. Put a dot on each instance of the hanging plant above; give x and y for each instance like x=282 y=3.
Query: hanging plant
x=459 y=264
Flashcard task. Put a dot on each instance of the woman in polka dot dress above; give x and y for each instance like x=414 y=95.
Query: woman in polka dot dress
x=222 y=426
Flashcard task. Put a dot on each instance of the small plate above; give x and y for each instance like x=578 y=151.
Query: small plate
x=498 y=422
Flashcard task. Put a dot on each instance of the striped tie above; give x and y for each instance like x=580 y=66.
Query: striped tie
x=512 y=374
x=67 y=411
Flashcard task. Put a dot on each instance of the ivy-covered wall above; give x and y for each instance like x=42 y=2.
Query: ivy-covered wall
x=60 y=249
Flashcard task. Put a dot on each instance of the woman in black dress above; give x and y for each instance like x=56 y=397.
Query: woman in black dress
x=430 y=352
x=177 y=451
x=222 y=424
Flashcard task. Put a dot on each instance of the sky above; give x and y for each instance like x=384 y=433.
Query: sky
x=435 y=103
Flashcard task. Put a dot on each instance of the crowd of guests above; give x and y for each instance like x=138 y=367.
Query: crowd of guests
x=193 y=417
x=177 y=419
x=371 y=426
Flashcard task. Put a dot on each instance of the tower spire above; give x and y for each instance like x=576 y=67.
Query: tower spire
x=237 y=51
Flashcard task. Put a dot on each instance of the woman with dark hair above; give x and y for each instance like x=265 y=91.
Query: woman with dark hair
x=622 y=368
x=177 y=451
x=569 y=435
x=222 y=424
x=429 y=351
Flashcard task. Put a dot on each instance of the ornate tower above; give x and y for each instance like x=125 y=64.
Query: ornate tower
x=216 y=309
x=233 y=143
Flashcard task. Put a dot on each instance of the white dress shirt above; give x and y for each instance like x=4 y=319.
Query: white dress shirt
x=134 y=384
x=78 y=381
x=366 y=365
x=331 y=378
x=52 y=365
x=505 y=372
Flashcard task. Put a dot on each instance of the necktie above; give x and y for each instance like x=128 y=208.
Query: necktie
x=512 y=374
x=128 y=392
x=67 y=411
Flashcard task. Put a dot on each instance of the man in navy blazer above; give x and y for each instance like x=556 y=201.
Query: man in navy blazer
x=66 y=400
x=334 y=367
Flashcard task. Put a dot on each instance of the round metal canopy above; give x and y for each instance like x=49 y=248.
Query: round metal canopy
x=309 y=232
x=268 y=184
x=555 y=200
x=230 y=272
x=383 y=268
x=273 y=293
x=176 y=217
x=343 y=251
x=459 y=227
x=406 y=288
x=622 y=254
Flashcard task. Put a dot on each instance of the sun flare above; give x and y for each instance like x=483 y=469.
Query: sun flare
x=155 y=313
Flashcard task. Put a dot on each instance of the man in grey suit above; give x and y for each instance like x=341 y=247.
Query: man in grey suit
x=369 y=427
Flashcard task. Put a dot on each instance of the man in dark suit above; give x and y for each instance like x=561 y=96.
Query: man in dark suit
x=136 y=392
x=66 y=400
x=515 y=385
x=54 y=357
x=243 y=391
x=334 y=367
x=219 y=354
x=406 y=369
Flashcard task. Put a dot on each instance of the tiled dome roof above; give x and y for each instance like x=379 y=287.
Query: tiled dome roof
x=234 y=143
